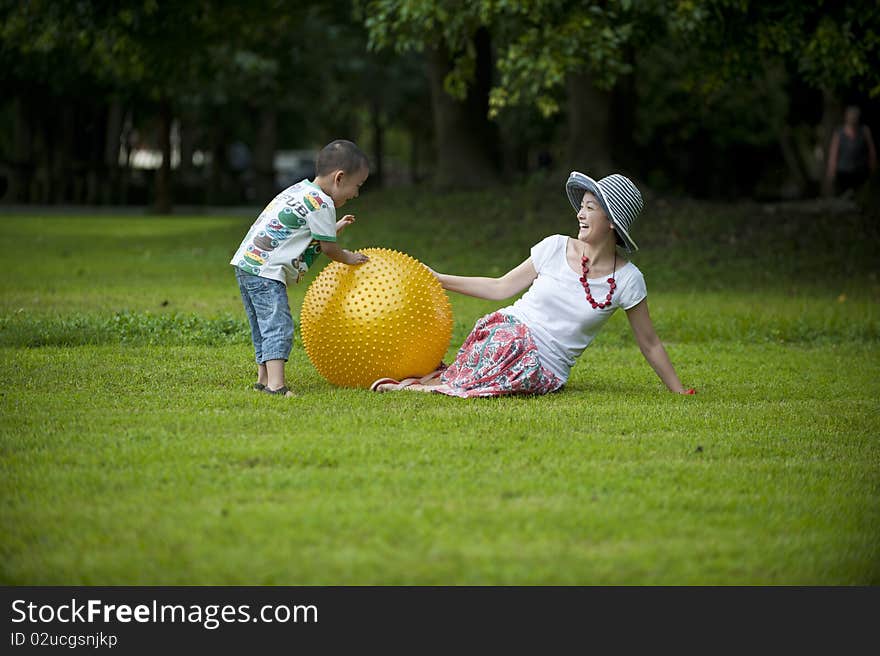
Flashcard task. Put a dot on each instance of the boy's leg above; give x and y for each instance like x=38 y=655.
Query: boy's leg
x=276 y=329
x=275 y=374
x=251 y=313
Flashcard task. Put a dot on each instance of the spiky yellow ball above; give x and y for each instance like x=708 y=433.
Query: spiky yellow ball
x=386 y=317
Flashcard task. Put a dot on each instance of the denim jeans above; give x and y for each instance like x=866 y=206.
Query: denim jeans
x=268 y=312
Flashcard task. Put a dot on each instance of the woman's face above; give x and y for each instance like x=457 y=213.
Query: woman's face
x=593 y=223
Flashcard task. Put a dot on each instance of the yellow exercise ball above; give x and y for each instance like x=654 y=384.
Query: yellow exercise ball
x=386 y=317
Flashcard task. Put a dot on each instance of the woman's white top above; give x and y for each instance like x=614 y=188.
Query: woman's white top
x=555 y=308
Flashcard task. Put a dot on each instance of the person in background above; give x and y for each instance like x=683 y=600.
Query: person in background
x=852 y=157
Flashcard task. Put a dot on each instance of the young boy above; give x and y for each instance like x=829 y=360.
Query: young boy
x=290 y=232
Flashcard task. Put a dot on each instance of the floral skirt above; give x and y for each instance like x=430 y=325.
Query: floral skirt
x=498 y=358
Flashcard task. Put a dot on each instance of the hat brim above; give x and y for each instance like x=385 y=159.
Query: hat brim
x=577 y=184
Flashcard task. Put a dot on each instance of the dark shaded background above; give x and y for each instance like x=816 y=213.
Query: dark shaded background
x=193 y=102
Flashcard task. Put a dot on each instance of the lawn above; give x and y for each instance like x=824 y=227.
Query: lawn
x=133 y=452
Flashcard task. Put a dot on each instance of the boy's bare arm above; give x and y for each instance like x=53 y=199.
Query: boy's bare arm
x=335 y=252
x=344 y=222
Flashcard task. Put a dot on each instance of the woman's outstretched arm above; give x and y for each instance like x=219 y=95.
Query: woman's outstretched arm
x=652 y=347
x=493 y=289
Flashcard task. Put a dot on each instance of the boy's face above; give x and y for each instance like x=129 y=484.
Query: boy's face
x=347 y=185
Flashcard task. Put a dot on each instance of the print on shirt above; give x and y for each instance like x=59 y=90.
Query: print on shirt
x=281 y=243
x=313 y=201
x=304 y=261
x=290 y=218
x=277 y=230
x=298 y=207
x=265 y=242
x=253 y=259
x=255 y=256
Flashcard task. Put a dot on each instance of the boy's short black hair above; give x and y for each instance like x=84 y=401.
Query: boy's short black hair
x=340 y=155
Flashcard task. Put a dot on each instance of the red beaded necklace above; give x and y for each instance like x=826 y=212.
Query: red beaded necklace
x=584 y=262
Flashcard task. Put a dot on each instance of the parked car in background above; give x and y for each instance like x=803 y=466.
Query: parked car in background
x=291 y=166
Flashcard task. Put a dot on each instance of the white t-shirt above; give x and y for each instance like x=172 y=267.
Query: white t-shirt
x=556 y=310
x=284 y=240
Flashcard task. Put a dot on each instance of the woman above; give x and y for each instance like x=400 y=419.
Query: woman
x=852 y=157
x=574 y=286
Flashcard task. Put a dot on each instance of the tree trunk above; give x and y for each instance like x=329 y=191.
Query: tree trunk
x=589 y=127
x=217 y=182
x=187 y=177
x=797 y=175
x=622 y=127
x=61 y=168
x=44 y=150
x=831 y=118
x=378 y=173
x=466 y=141
x=95 y=170
x=414 y=157
x=22 y=166
x=832 y=115
x=126 y=143
x=264 y=154
x=163 y=175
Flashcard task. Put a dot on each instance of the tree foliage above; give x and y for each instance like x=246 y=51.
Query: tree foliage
x=833 y=45
x=679 y=74
x=538 y=42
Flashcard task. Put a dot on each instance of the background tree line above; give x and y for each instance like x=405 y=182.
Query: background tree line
x=711 y=98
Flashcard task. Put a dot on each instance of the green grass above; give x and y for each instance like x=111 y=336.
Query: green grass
x=133 y=452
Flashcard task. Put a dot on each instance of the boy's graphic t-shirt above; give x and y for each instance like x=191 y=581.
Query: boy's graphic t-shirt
x=285 y=239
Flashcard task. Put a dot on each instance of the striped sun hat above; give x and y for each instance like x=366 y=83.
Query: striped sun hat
x=617 y=195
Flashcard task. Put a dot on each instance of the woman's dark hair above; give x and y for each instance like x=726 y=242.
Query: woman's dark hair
x=340 y=155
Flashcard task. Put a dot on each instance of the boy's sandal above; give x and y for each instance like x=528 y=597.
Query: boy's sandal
x=259 y=387
x=281 y=391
